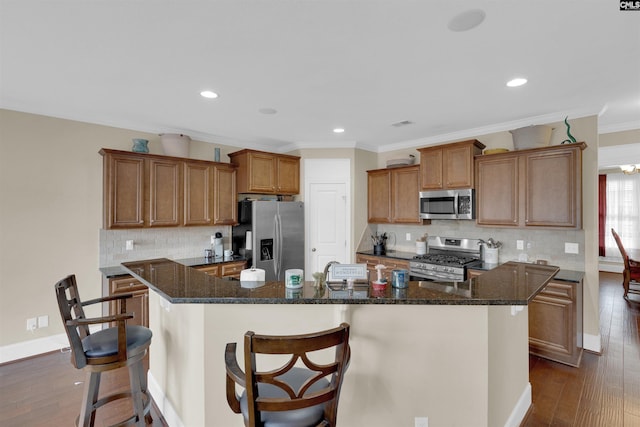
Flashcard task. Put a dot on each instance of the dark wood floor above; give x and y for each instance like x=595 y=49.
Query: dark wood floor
x=47 y=391
x=603 y=392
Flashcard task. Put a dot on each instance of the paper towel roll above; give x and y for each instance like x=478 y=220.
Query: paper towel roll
x=248 y=241
x=252 y=274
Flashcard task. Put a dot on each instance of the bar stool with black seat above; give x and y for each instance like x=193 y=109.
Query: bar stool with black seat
x=631 y=273
x=105 y=350
x=289 y=395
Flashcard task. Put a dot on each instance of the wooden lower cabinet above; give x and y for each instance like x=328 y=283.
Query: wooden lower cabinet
x=138 y=304
x=389 y=263
x=555 y=323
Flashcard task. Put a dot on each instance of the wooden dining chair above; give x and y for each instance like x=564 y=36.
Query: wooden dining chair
x=105 y=350
x=631 y=273
x=289 y=395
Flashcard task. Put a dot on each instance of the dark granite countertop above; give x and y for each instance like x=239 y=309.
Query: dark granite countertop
x=511 y=283
x=118 y=270
x=562 y=275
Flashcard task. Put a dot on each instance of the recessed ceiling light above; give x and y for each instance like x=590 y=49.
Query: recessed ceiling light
x=338 y=130
x=466 y=21
x=268 y=110
x=208 y=94
x=516 y=82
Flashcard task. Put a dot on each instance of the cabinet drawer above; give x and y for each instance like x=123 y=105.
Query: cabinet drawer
x=211 y=270
x=126 y=284
x=559 y=290
x=231 y=269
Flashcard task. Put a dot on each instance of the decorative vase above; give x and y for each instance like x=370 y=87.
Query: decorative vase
x=531 y=137
x=175 y=144
x=140 y=145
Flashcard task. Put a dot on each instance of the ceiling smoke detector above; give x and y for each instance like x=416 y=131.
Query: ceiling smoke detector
x=402 y=123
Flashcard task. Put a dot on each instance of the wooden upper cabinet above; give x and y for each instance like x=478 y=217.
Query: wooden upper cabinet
x=198 y=180
x=266 y=173
x=405 y=183
x=225 y=196
x=123 y=192
x=379 y=196
x=165 y=192
x=160 y=191
x=288 y=175
x=393 y=195
x=261 y=171
x=497 y=189
x=553 y=191
x=541 y=187
x=449 y=166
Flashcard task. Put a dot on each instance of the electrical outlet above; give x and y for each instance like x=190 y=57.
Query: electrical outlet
x=422 y=422
x=571 y=248
x=128 y=245
x=32 y=324
x=520 y=245
x=43 y=321
x=408 y=236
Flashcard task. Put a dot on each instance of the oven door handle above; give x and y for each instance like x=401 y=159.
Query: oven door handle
x=433 y=276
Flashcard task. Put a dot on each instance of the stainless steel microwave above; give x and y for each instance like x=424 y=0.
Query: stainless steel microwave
x=448 y=204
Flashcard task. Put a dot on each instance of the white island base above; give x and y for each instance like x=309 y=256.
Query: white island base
x=458 y=365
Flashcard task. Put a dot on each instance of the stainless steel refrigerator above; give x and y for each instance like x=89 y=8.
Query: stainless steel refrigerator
x=271 y=236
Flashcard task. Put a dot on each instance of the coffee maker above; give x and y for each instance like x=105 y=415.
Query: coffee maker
x=217 y=245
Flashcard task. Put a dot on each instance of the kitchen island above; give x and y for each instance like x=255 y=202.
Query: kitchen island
x=456 y=352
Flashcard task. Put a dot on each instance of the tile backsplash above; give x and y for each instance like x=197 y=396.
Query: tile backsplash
x=546 y=245
x=148 y=243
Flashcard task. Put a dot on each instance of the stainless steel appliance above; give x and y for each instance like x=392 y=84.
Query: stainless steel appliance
x=275 y=231
x=446 y=260
x=448 y=204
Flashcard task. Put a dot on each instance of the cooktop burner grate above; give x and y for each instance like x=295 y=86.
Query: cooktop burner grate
x=444 y=259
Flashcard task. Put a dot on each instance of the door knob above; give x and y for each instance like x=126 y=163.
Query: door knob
x=313 y=249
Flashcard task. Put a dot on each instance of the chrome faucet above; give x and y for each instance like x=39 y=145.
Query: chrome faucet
x=326 y=269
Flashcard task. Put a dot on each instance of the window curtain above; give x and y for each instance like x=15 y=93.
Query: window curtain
x=622 y=212
x=602 y=213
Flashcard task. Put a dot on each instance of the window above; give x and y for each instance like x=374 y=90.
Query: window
x=623 y=212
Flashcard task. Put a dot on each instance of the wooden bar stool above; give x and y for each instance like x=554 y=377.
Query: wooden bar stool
x=288 y=396
x=101 y=351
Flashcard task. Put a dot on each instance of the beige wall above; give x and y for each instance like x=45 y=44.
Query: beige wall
x=51 y=212
x=620 y=138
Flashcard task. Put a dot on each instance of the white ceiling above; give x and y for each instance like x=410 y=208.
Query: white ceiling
x=361 y=65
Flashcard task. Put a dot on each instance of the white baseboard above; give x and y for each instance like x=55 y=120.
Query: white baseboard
x=24 y=349
x=521 y=408
x=592 y=343
x=610 y=265
x=21 y=350
x=164 y=405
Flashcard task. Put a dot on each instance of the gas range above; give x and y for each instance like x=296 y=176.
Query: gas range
x=447 y=259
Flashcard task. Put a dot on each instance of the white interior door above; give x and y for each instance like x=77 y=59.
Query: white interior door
x=327 y=212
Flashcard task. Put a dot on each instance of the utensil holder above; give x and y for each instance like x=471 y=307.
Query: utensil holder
x=379 y=249
x=491 y=255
